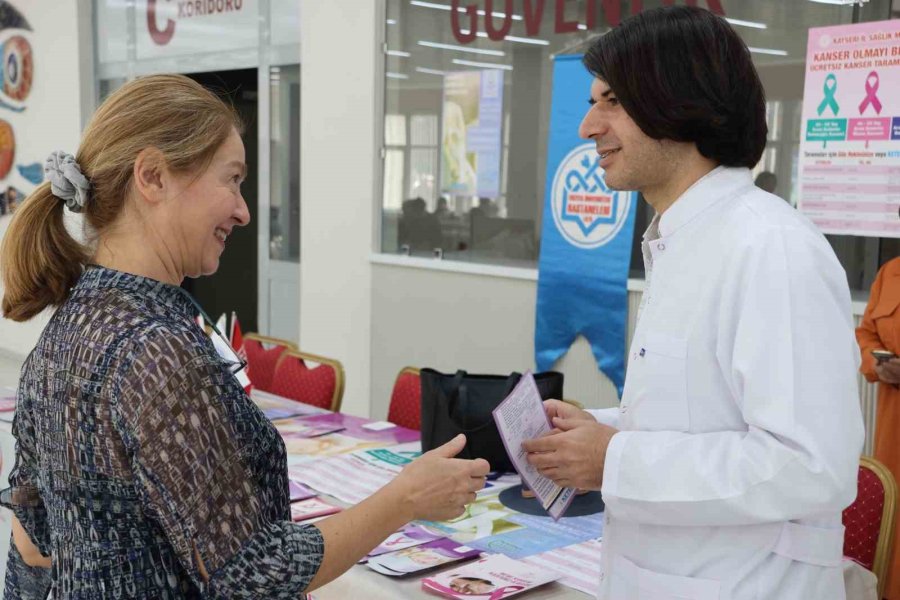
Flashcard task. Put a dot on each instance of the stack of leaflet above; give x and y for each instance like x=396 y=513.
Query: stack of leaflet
x=494 y=576
x=420 y=558
x=411 y=534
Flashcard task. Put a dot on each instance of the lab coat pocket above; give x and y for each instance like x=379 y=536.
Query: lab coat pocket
x=660 y=401
x=630 y=582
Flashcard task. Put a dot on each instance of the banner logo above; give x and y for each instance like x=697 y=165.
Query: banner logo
x=587 y=213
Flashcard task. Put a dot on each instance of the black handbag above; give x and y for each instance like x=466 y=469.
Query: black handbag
x=463 y=403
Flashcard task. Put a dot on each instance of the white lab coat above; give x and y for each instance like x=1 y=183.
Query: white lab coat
x=740 y=421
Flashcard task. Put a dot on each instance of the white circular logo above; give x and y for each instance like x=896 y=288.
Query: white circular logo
x=587 y=213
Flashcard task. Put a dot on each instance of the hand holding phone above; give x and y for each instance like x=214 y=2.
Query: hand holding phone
x=883 y=356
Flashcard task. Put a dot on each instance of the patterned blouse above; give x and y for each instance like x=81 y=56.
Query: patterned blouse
x=136 y=444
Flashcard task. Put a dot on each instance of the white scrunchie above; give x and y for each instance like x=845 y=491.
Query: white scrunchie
x=67 y=181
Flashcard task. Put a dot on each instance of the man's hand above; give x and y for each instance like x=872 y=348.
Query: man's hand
x=889 y=371
x=574 y=453
x=564 y=410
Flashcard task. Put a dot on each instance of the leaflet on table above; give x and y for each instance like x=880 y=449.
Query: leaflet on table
x=485 y=517
x=521 y=417
x=578 y=565
x=312 y=508
x=304 y=450
x=493 y=577
x=392 y=458
x=534 y=534
x=419 y=558
x=354 y=428
x=347 y=477
x=301 y=428
x=297 y=491
x=279 y=407
x=411 y=534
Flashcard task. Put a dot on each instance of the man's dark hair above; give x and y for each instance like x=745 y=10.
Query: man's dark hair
x=683 y=74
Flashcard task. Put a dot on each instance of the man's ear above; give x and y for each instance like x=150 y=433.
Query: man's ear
x=151 y=176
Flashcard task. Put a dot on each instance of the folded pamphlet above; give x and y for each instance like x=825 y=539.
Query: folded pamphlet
x=420 y=558
x=520 y=417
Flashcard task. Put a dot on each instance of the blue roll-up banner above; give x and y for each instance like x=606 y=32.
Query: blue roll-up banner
x=586 y=238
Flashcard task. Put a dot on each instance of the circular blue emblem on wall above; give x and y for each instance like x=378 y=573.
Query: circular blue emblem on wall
x=586 y=212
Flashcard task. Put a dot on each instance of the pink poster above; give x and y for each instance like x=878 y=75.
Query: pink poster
x=850 y=139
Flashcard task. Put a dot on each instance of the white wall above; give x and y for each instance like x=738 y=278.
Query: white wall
x=63 y=79
x=337 y=99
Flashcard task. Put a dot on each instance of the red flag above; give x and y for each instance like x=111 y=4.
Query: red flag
x=237 y=342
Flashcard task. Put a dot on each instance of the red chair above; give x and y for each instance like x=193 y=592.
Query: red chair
x=869 y=521
x=263 y=353
x=322 y=385
x=406 y=400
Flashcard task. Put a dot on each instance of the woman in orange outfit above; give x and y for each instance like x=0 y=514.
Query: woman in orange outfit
x=880 y=330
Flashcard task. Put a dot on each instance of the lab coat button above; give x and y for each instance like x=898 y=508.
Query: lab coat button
x=660 y=246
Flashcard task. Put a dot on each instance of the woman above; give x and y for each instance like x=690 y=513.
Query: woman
x=142 y=469
x=880 y=330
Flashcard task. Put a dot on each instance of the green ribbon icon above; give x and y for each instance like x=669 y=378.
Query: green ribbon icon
x=829 y=101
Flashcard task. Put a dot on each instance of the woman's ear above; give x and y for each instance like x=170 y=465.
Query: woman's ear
x=151 y=176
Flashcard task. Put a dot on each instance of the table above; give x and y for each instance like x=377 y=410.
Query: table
x=360 y=581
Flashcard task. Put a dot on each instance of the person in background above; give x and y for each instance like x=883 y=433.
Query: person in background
x=880 y=330
x=142 y=469
x=766 y=181
x=736 y=446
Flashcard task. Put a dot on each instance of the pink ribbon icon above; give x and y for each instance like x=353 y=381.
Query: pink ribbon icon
x=871 y=98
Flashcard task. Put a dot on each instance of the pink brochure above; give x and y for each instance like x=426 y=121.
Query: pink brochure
x=491 y=578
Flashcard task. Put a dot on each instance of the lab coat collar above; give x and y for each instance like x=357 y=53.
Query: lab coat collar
x=718 y=184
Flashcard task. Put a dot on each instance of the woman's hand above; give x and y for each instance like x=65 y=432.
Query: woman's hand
x=436 y=486
x=889 y=371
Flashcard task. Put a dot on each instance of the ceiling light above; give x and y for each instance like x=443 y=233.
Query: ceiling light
x=512 y=38
x=461 y=48
x=390 y=75
x=430 y=71
x=391 y=21
x=472 y=63
x=399 y=53
x=743 y=23
x=514 y=17
x=772 y=51
x=841 y=2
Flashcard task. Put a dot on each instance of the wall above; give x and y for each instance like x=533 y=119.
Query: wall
x=61 y=89
x=337 y=160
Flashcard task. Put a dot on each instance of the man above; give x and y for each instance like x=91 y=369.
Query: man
x=736 y=445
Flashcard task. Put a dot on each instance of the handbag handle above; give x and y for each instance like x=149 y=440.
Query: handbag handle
x=462 y=399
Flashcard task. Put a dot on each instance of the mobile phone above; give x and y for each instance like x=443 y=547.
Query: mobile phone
x=883 y=355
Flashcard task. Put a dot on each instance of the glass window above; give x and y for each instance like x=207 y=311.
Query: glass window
x=482 y=200
x=284 y=175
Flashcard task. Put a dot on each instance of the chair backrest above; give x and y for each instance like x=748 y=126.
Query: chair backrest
x=406 y=400
x=263 y=353
x=321 y=385
x=869 y=521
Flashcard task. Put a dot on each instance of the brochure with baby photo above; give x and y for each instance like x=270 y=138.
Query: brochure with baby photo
x=492 y=578
x=411 y=534
x=420 y=558
x=311 y=508
x=521 y=417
